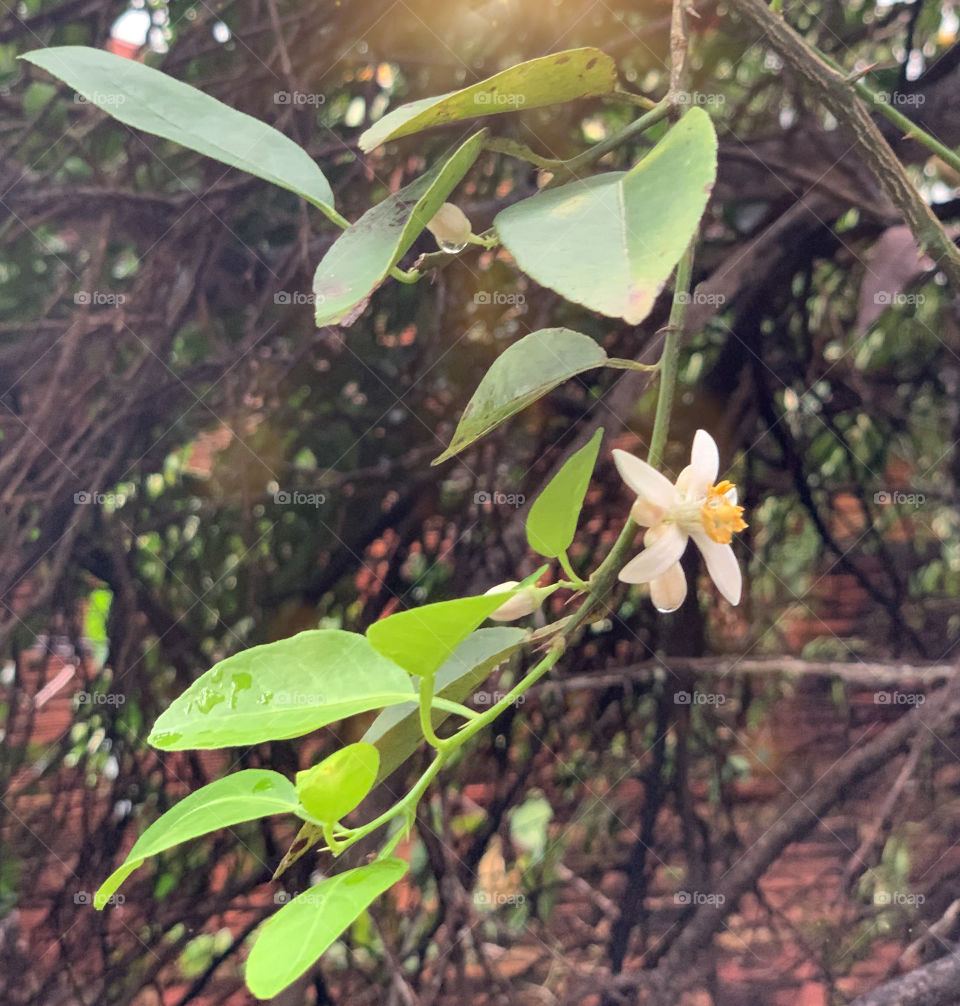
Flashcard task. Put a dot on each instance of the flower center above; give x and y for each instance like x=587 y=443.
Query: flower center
x=719 y=516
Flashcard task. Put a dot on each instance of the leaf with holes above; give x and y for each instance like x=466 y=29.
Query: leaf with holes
x=281 y=690
x=548 y=80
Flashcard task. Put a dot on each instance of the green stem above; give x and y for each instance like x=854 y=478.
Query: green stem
x=426 y=709
x=669 y=359
x=575 y=580
x=570 y=168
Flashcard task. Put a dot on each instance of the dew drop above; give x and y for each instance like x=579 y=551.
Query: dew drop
x=450 y=248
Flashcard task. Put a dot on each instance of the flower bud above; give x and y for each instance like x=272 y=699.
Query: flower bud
x=524 y=603
x=450 y=227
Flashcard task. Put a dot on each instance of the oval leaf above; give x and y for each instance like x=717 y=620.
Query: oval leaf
x=281 y=690
x=552 y=521
x=520 y=375
x=359 y=260
x=164 y=106
x=421 y=639
x=243 y=796
x=306 y=926
x=396 y=731
x=610 y=242
x=333 y=788
x=549 y=80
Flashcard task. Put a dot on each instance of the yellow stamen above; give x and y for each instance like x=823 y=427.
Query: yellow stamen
x=721 y=518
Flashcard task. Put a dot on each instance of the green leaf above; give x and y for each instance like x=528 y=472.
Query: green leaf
x=281 y=690
x=333 y=788
x=552 y=521
x=243 y=796
x=549 y=80
x=520 y=375
x=421 y=639
x=305 y=927
x=610 y=242
x=360 y=259
x=159 y=104
x=396 y=731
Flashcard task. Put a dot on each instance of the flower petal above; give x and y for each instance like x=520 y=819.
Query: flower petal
x=645 y=481
x=666 y=546
x=669 y=589
x=722 y=566
x=704 y=464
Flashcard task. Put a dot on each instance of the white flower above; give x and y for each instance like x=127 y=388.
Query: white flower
x=450 y=226
x=524 y=603
x=692 y=508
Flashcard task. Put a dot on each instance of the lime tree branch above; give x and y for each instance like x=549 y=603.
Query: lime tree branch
x=839 y=96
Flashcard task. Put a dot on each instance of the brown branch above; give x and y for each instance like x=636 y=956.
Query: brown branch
x=837 y=96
